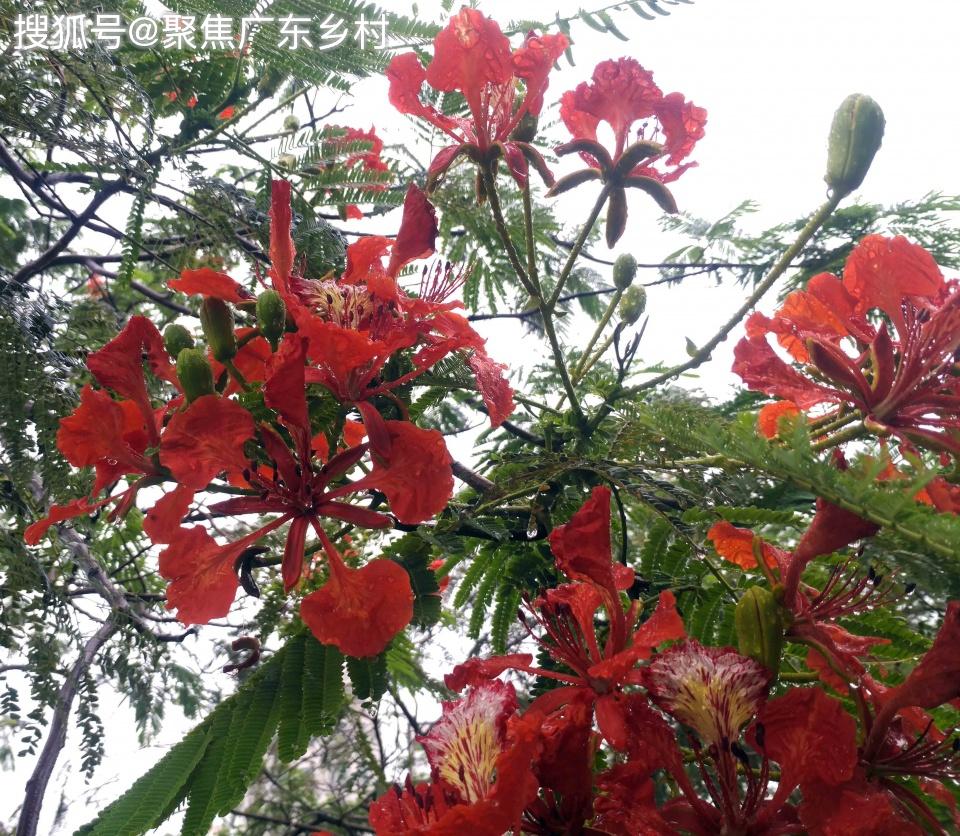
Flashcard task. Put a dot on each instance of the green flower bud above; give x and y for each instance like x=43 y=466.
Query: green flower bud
x=632 y=304
x=175 y=339
x=855 y=137
x=624 y=271
x=217 y=321
x=287 y=161
x=195 y=374
x=271 y=316
x=759 y=622
x=291 y=123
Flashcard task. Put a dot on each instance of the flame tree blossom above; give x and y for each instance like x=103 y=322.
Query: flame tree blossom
x=592 y=671
x=473 y=57
x=620 y=94
x=882 y=340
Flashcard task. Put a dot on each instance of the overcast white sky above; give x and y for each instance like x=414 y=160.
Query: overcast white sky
x=770 y=75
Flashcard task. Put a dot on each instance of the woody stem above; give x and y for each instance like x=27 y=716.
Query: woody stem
x=490 y=187
x=836 y=439
x=578 y=246
x=703 y=354
x=531 y=284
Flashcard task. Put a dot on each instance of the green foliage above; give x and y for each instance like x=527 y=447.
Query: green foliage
x=296 y=694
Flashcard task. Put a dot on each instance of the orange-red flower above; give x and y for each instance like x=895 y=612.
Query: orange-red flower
x=898 y=375
x=592 y=672
x=473 y=57
x=410 y=465
x=481 y=756
x=621 y=94
x=115 y=437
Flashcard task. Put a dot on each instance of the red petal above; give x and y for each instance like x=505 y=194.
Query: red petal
x=282 y=251
x=477 y=671
x=493 y=386
x=936 y=678
x=532 y=62
x=406 y=76
x=856 y=808
x=763 y=371
x=811 y=736
x=468 y=54
x=417 y=476
x=203 y=582
x=94 y=430
x=206 y=439
x=58 y=513
x=881 y=272
x=831 y=529
x=770 y=415
x=418 y=231
x=582 y=546
x=207 y=282
x=737 y=546
x=162 y=522
x=119 y=364
x=663 y=625
x=360 y=610
x=285 y=389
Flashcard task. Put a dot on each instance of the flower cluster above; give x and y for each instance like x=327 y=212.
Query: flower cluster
x=736 y=747
x=877 y=346
x=238 y=419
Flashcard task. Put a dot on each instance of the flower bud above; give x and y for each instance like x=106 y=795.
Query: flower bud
x=271 y=316
x=855 y=137
x=526 y=128
x=759 y=622
x=624 y=271
x=175 y=339
x=217 y=321
x=195 y=374
x=287 y=161
x=291 y=123
x=632 y=304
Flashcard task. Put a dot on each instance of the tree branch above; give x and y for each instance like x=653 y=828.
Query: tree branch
x=57 y=733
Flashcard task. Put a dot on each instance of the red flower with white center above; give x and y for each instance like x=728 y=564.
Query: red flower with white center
x=115 y=437
x=481 y=756
x=621 y=94
x=592 y=672
x=473 y=57
x=713 y=690
x=899 y=376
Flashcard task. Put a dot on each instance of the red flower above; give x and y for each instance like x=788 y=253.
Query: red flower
x=621 y=94
x=813 y=612
x=901 y=382
x=591 y=672
x=355 y=325
x=854 y=790
x=480 y=756
x=111 y=435
x=473 y=57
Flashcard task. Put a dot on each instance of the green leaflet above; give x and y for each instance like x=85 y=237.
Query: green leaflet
x=296 y=695
x=141 y=807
